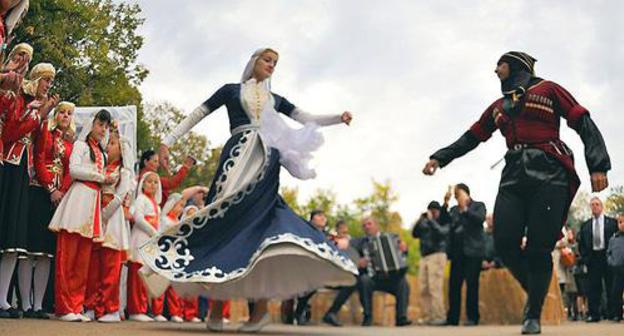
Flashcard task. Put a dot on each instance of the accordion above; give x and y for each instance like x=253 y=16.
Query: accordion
x=384 y=255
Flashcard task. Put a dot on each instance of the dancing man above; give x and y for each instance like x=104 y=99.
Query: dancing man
x=539 y=181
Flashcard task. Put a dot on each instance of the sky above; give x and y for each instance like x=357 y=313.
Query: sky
x=415 y=75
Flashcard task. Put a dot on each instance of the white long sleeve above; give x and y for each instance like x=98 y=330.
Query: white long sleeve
x=186 y=125
x=140 y=222
x=125 y=185
x=321 y=120
x=80 y=165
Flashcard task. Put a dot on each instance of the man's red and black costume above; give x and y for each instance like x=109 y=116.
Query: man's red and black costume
x=539 y=181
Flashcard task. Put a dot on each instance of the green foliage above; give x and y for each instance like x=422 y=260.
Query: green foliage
x=378 y=205
x=93 y=45
x=614 y=204
x=161 y=119
x=579 y=210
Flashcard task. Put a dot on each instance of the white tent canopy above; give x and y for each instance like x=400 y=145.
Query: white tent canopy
x=126 y=116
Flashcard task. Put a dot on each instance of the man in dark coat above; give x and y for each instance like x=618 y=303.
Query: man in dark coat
x=593 y=240
x=466 y=251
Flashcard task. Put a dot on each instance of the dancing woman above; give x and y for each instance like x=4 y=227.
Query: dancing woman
x=539 y=181
x=246 y=242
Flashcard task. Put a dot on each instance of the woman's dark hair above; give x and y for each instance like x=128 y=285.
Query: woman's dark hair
x=316 y=212
x=148 y=154
x=105 y=117
x=340 y=222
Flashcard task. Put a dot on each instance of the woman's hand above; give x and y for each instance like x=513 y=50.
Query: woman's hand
x=110 y=179
x=48 y=105
x=56 y=197
x=189 y=162
x=346 y=117
x=431 y=166
x=163 y=156
x=599 y=181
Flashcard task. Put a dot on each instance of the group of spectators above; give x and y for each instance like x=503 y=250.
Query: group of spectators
x=589 y=265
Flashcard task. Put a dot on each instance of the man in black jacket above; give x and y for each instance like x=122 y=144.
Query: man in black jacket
x=432 y=229
x=593 y=242
x=466 y=252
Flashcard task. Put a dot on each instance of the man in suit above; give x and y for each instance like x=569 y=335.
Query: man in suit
x=593 y=242
x=466 y=251
x=394 y=283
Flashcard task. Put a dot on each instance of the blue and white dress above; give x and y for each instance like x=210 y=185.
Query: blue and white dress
x=247 y=242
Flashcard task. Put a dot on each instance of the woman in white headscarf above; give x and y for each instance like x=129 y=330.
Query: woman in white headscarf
x=246 y=242
x=78 y=218
x=110 y=248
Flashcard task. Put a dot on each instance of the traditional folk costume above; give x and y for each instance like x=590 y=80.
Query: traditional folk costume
x=539 y=181
x=10 y=20
x=146 y=225
x=22 y=123
x=110 y=249
x=169 y=183
x=180 y=308
x=77 y=222
x=51 y=160
x=190 y=305
x=239 y=245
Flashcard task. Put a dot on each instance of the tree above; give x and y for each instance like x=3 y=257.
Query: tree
x=161 y=119
x=579 y=210
x=290 y=196
x=378 y=206
x=93 y=45
x=614 y=204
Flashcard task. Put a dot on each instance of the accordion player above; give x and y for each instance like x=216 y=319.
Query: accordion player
x=384 y=255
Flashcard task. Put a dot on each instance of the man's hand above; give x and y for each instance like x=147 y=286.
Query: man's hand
x=362 y=263
x=447 y=196
x=431 y=167
x=599 y=181
x=346 y=117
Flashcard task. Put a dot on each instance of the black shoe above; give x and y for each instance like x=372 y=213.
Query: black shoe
x=531 y=327
x=30 y=313
x=403 y=322
x=615 y=319
x=41 y=315
x=302 y=318
x=10 y=313
x=592 y=319
x=471 y=323
x=451 y=323
x=367 y=321
x=332 y=319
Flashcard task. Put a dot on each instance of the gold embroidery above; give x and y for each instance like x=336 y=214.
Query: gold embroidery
x=149 y=249
x=540 y=107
